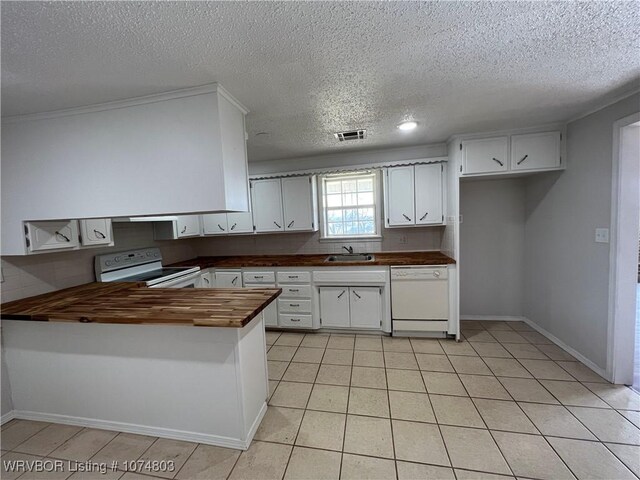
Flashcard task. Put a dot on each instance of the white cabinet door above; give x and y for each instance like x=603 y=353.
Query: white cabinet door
x=298 y=203
x=52 y=235
x=400 y=196
x=228 y=279
x=96 y=231
x=240 y=222
x=334 y=306
x=535 y=151
x=214 y=224
x=486 y=155
x=188 y=226
x=428 y=188
x=366 y=307
x=206 y=279
x=266 y=203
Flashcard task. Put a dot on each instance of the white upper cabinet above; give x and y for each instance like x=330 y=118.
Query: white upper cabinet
x=485 y=155
x=96 y=232
x=179 y=152
x=428 y=194
x=413 y=196
x=51 y=235
x=535 y=151
x=215 y=224
x=299 y=201
x=241 y=222
x=266 y=205
x=400 y=196
x=188 y=226
x=284 y=205
x=182 y=226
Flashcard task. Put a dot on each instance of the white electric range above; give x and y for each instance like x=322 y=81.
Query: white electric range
x=144 y=265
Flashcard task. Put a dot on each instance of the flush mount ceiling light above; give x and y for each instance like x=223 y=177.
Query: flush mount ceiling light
x=406 y=126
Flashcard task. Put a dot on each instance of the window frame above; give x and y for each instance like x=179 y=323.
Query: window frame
x=377 y=205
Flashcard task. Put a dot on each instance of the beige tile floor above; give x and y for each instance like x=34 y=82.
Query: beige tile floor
x=504 y=403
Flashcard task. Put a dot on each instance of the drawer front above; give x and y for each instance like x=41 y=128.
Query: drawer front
x=296 y=291
x=296 y=321
x=294 y=277
x=303 y=306
x=259 y=277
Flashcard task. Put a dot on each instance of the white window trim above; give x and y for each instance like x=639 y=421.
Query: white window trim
x=377 y=195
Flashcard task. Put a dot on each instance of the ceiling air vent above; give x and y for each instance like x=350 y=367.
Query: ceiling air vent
x=351 y=135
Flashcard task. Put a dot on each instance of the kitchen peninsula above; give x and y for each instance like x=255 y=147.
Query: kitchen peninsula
x=70 y=353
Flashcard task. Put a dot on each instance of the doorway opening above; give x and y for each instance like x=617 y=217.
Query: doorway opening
x=624 y=281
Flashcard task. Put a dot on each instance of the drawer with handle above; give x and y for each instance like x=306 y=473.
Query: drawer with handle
x=259 y=277
x=296 y=321
x=297 y=291
x=294 y=305
x=294 y=277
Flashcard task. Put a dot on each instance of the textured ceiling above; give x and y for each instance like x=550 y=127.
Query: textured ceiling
x=308 y=69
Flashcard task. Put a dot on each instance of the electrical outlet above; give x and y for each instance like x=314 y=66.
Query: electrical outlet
x=403 y=240
x=602 y=235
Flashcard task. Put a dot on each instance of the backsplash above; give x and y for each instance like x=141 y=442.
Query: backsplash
x=307 y=243
x=29 y=275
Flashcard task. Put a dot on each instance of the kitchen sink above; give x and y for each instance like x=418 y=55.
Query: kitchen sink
x=350 y=257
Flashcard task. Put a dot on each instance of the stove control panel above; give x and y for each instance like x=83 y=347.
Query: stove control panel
x=129 y=258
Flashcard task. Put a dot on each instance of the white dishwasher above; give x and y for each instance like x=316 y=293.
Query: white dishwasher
x=419 y=299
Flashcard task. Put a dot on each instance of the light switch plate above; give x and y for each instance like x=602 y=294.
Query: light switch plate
x=602 y=235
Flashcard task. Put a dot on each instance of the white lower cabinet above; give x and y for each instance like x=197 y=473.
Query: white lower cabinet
x=365 y=307
x=228 y=279
x=334 y=307
x=51 y=235
x=351 y=307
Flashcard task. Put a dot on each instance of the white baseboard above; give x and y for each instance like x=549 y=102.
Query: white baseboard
x=205 y=438
x=584 y=360
x=7 y=417
x=499 y=318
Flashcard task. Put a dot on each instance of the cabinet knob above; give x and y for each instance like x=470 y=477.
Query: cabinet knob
x=436 y=274
x=499 y=162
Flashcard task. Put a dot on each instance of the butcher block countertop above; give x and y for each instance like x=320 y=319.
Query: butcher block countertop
x=132 y=303
x=383 y=258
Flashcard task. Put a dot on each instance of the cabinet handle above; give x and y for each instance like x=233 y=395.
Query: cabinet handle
x=184 y=229
x=499 y=162
x=276 y=224
x=356 y=294
x=406 y=217
x=233 y=226
x=220 y=227
x=294 y=304
x=293 y=276
x=258 y=276
x=522 y=159
x=63 y=236
x=206 y=280
x=424 y=216
x=290 y=224
x=235 y=279
x=99 y=233
x=295 y=319
x=343 y=292
x=294 y=289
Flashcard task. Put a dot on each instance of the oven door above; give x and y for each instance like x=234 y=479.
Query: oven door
x=188 y=281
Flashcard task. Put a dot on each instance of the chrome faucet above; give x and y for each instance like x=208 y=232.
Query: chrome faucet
x=349 y=249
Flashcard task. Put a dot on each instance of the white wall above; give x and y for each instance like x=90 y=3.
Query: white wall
x=567 y=273
x=492 y=247
x=25 y=276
